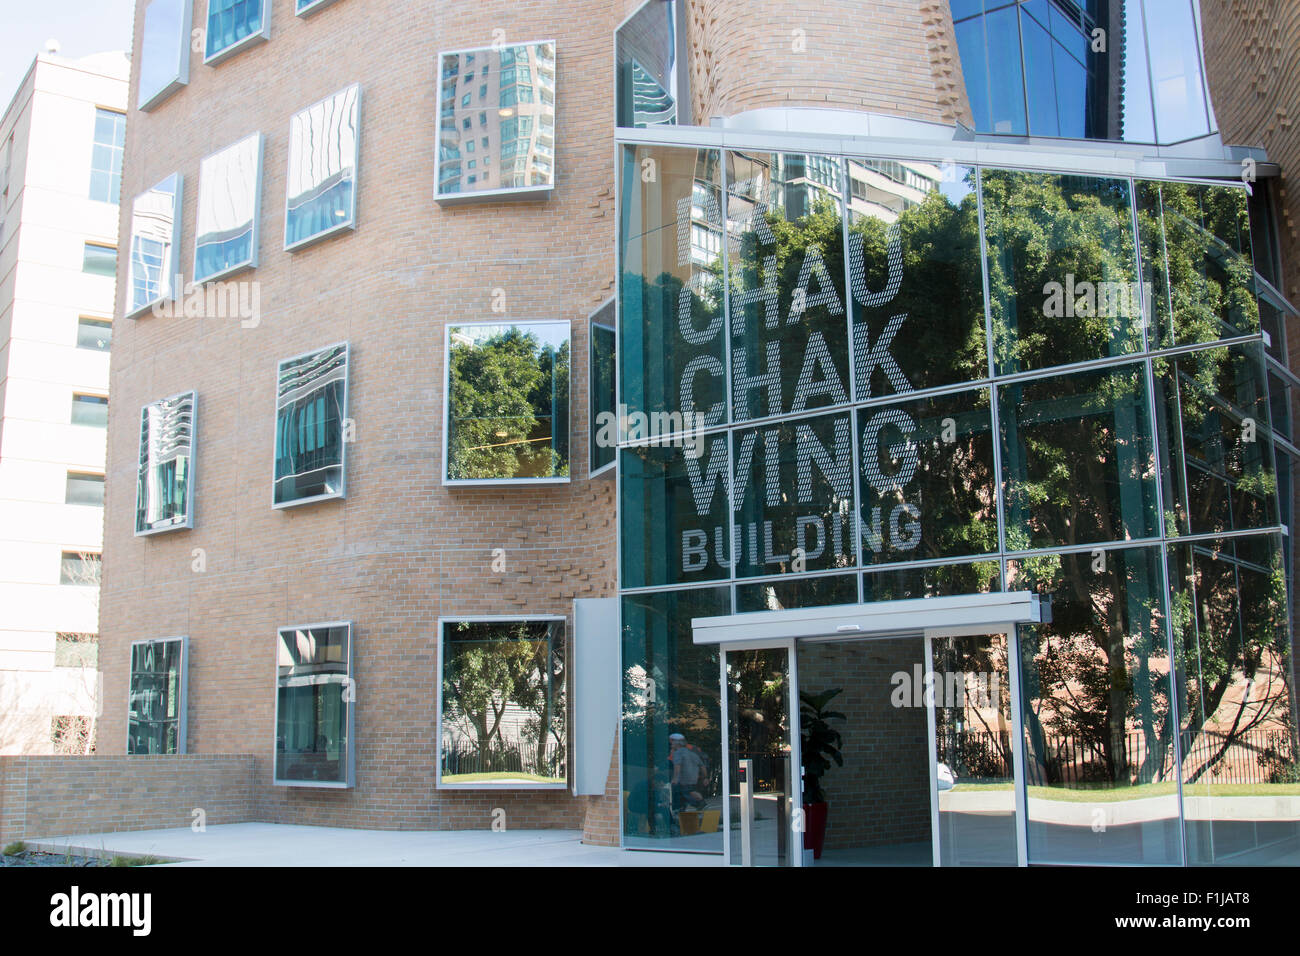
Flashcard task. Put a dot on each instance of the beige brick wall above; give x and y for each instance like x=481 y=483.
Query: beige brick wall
x=402 y=550
x=60 y=796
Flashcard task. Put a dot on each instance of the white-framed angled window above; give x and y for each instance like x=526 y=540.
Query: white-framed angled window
x=230 y=198
x=602 y=391
x=517 y=123
x=507 y=403
x=155 y=716
x=324 y=144
x=311 y=427
x=303 y=8
x=106 y=156
x=314 y=706
x=164 y=51
x=503 y=703
x=153 y=269
x=164 y=487
x=234 y=25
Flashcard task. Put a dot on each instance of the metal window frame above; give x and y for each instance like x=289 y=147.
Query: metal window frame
x=182 y=708
x=440 y=662
x=342 y=493
x=307 y=9
x=256 y=240
x=189 y=482
x=517 y=193
x=446 y=409
x=350 y=761
x=592 y=430
x=349 y=224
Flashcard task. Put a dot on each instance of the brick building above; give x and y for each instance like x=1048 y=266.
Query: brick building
x=945 y=339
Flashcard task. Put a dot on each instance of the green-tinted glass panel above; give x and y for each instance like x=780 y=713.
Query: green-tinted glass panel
x=1214 y=441
x=1077 y=459
x=155 y=702
x=672 y=347
x=1100 y=758
x=313 y=706
x=926 y=479
x=1236 y=694
x=1196 y=262
x=789 y=348
x=1062 y=270
x=918 y=293
x=602 y=412
x=821 y=591
x=900 y=584
x=671 y=686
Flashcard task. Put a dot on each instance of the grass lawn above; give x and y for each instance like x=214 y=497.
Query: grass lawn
x=501 y=775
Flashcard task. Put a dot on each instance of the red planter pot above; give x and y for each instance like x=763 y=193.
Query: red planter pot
x=814 y=833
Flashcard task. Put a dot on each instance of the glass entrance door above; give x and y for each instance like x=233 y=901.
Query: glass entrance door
x=974 y=768
x=764 y=816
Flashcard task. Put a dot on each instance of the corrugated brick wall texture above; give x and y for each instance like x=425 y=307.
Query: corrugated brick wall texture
x=59 y=796
x=897 y=57
x=401 y=550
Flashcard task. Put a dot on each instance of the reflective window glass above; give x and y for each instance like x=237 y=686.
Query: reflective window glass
x=99 y=260
x=106 y=156
x=820 y=591
x=310 y=426
x=233 y=25
x=918 y=290
x=226 y=225
x=602 y=412
x=90 y=410
x=507 y=402
x=155 y=235
x=789 y=350
x=156 y=697
x=323 y=147
x=1096 y=701
x=165 y=478
x=1062 y=269
x=1077 y=458
x=84 y=489
x=164 y=50
x=502 y=719
x=945 y=580
x=671 y=686
x=94 y=334
x=314 y=706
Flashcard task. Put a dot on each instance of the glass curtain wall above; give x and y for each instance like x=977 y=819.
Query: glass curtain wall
x=832 y=396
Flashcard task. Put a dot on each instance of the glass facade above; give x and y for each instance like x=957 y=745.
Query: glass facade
x=1082 y=410
x=1085 y=69
x=603 y=389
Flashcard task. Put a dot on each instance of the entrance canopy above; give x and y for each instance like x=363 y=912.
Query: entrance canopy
x=952 y=616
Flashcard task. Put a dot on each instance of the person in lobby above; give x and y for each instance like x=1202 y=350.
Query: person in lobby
x=689 y=773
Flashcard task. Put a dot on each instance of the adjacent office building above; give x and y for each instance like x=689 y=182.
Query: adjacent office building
x=485 y=451
x=61 y=142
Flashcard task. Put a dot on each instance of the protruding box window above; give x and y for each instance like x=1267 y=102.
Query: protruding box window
x=234 y=25
x=226 y=227
x=313 y=706
x=512 y=91
x=164 y=51
x=155 y=237
x=603 y=393
x=164 y=489
x=502 y=718
x=507 y=402
x=304 y=8
x=323 y=147
x=310 y=419
x=155 y=722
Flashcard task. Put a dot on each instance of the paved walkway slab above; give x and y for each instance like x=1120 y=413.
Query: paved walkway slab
x=275 y=844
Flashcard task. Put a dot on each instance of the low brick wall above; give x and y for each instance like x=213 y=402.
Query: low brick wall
x=44 y=796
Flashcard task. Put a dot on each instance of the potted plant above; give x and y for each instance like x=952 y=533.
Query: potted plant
x=819 y=744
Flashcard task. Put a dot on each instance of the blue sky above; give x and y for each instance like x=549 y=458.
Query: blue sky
x=82 y=27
